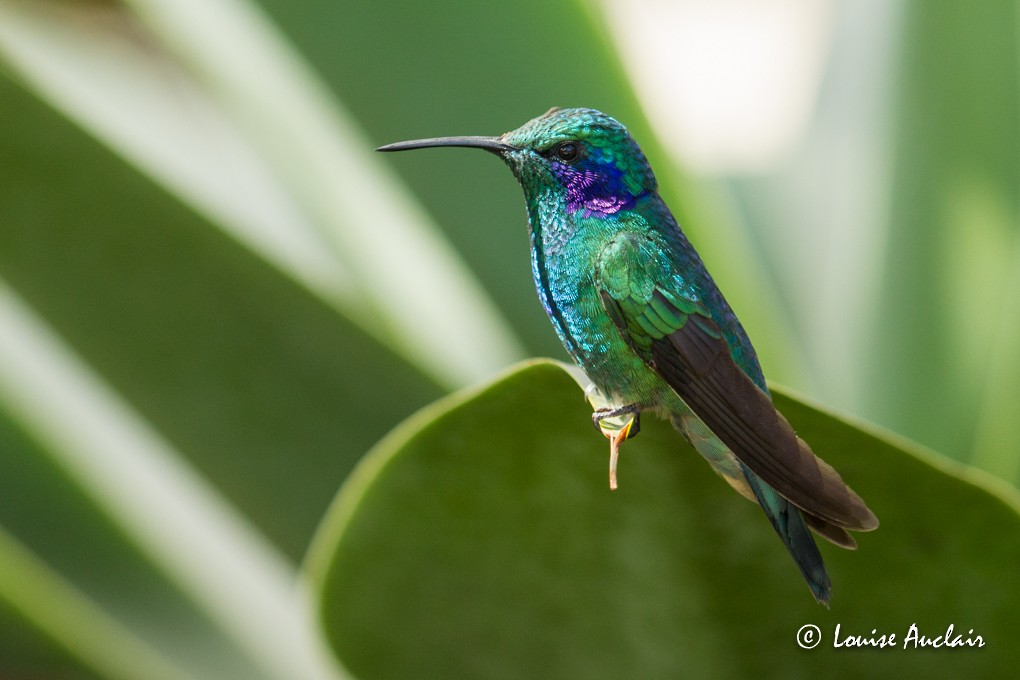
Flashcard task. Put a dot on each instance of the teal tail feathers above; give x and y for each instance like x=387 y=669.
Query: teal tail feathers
x=789 y=523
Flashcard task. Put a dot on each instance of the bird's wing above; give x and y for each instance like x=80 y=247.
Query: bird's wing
x=675 y=335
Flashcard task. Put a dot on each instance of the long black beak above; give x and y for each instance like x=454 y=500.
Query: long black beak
x=488 y=143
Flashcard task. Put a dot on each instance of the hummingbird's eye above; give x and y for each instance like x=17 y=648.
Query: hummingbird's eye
x=567 y=151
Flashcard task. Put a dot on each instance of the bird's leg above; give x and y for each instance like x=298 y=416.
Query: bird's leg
x=617 y=434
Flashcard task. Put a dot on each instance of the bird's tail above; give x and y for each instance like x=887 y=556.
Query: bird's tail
x=790 y=524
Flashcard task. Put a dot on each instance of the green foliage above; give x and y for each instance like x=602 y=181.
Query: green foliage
x=480 y=540
x=951 y=315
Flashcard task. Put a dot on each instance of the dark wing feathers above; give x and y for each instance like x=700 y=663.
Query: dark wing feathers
x=684 y=345
x=830 y=532
x=699 y=367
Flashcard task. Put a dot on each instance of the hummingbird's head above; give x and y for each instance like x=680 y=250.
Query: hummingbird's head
x=582 y=156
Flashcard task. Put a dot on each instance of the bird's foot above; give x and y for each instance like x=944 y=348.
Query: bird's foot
x=634 y=422
x=617 y=432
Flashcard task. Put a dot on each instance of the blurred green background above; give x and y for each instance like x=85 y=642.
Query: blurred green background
x=214 y=298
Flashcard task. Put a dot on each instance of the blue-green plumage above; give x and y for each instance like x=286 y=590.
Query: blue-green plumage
x=639 y=313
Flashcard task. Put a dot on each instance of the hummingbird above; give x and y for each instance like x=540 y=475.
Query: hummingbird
x=637 y=310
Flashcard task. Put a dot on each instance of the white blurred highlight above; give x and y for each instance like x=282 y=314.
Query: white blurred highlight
x=729 y=85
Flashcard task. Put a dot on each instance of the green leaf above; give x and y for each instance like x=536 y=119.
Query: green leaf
x=479 y=539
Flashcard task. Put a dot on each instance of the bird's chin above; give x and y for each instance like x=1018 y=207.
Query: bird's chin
x=519 y=163
x=529 y=168
x=516 y=159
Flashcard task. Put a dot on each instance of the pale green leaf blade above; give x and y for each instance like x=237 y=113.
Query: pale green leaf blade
x=84 y=635
x=184 y=530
